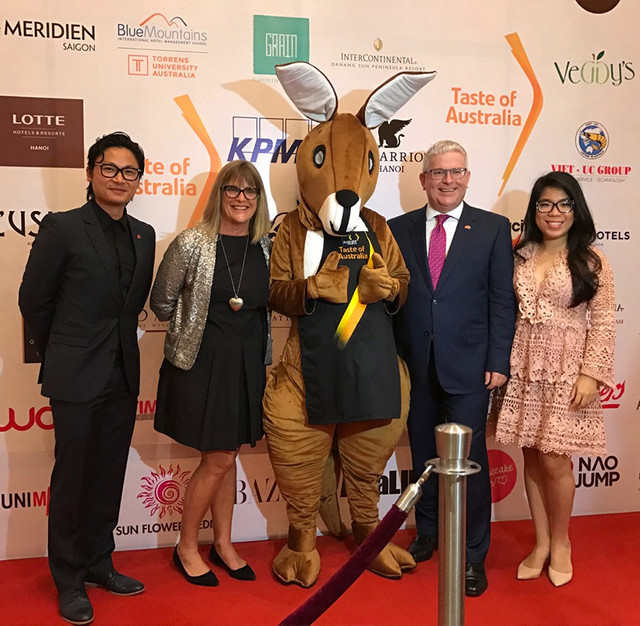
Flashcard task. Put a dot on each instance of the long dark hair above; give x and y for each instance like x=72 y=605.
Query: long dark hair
x=584 y=263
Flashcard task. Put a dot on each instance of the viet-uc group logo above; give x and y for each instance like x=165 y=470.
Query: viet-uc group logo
x=592 y=140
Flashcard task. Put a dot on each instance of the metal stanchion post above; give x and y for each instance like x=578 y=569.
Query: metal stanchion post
x=453 y=442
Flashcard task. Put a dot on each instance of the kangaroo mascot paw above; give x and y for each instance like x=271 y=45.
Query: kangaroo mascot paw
x=298 y=562
x=392 y=560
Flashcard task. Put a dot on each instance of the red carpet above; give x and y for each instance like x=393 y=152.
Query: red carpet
x=605 y=590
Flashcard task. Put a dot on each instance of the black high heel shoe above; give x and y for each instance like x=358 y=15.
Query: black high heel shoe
x=243 y=573
x=208 y=579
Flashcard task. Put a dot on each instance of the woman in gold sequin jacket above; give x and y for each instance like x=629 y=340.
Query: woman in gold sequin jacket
x=213 y=287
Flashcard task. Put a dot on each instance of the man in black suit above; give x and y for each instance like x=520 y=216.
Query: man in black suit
x=85 y=283
x=455 y=332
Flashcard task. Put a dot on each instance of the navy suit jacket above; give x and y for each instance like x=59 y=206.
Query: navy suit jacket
x=470 y=317
x=71 y=301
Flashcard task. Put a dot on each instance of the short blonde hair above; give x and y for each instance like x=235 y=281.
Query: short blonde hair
x=235 y=171
x=441 y=147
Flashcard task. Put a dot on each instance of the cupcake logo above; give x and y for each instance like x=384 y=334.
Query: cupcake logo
x=502 y=473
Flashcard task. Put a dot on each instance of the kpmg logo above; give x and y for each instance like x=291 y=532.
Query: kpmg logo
x=164 y=490
x=41 y=132
x=279 y=40
x=595 y=71
x=76 y=37
x=592 y=140
x=158 y=29
x=266 y=138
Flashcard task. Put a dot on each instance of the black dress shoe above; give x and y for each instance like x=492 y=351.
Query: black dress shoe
x=422 y=547
x=207 y=579
x=242 y=573
x=115 y=582
x=75 y=607
x=475 y=579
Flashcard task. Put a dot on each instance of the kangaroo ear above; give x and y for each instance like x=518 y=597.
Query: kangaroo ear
x=309 y=89
x=391 y=96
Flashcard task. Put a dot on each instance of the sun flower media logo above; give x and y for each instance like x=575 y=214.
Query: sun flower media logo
x=164 y=491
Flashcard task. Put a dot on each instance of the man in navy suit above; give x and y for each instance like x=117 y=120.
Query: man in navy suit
x=455 y=332
x=85 y=283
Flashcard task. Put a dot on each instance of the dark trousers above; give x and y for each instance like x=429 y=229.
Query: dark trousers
x=91 y=451
x=432 y=405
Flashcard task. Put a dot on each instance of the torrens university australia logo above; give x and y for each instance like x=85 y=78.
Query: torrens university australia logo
x=164 y=490
x=279 y=40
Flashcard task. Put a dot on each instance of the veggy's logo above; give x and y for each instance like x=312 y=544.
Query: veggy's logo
x=164 y=491
x=592 y=140
x=595 y=71
x=279 y=40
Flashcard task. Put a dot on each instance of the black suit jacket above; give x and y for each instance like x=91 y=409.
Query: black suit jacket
x=71 y=301
x=470 y=317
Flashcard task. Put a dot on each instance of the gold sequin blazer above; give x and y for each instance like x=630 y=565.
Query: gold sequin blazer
x=182 y=290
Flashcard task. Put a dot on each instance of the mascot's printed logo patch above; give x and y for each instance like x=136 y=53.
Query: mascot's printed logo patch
x=279 y=40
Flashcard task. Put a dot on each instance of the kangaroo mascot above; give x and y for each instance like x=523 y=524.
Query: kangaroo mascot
x=338 y=273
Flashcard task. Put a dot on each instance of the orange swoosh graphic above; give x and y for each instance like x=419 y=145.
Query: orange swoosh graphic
x=518 y=52
x=193 y=119
x=169 y=23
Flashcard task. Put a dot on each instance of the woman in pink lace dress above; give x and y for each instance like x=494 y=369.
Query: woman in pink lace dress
x=562 y=355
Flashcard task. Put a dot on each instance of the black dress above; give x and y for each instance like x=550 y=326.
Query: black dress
x=217 y=404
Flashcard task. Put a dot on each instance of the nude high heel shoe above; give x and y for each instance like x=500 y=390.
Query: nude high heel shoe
x=559 y=578
x=528 y=573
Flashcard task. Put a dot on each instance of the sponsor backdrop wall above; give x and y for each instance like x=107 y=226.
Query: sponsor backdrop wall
x=526 y=86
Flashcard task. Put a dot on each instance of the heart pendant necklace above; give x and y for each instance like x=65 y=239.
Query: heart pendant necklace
x=235 y=302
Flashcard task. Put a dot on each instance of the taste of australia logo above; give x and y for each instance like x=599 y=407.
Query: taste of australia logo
x=502 y=473
x=163 y=491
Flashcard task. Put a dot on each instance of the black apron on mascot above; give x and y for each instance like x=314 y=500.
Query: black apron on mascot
x=358 y=379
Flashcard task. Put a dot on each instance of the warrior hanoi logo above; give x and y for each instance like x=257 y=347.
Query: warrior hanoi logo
x=389 y=136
